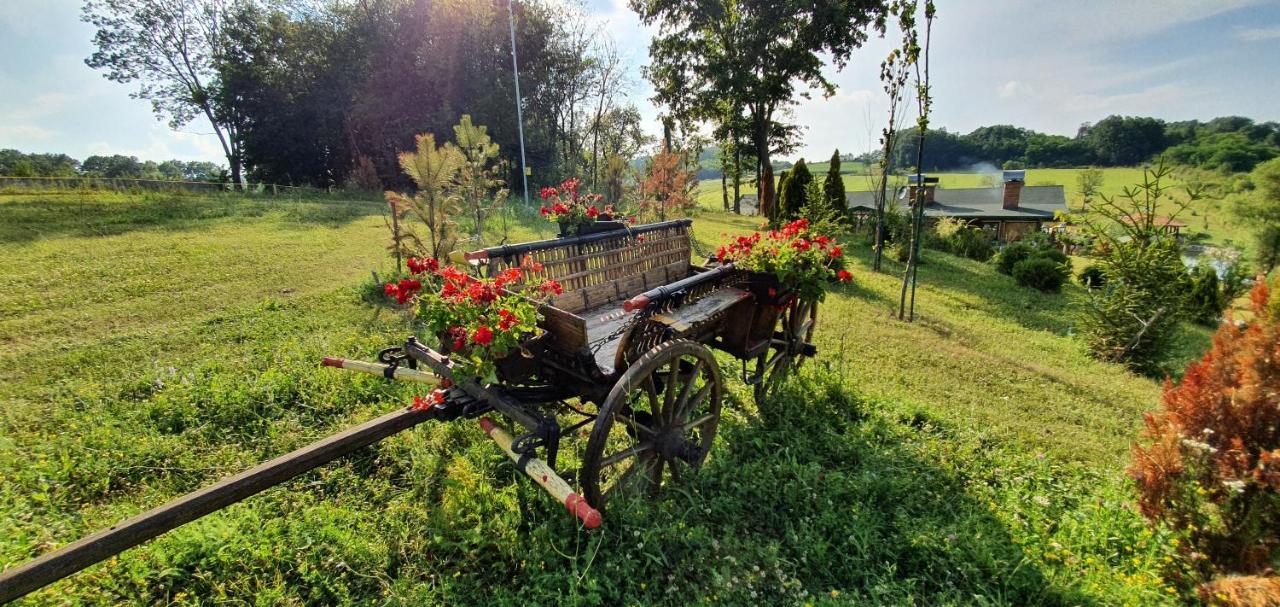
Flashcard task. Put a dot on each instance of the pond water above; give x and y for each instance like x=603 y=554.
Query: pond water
x=1218 y=258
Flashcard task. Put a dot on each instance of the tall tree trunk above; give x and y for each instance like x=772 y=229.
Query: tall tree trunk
x=922 y=123
x=737 y=178
x=881 y=202
x=725 y=187
x=764 y=198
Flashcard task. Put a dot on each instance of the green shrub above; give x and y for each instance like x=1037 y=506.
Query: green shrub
x=1205 y=302
x=958 y=238
x=897 y=251
x=1092 y=277
x=1011 y=255
x=1040 y=273
x=1134 y=319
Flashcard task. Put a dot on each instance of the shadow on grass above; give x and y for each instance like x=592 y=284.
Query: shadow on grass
x=813 y=500
x=994 y=293
x=89 y=215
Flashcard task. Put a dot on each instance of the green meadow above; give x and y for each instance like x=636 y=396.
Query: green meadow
x=152 y=344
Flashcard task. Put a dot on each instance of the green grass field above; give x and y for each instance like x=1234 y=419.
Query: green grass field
x=153 y=344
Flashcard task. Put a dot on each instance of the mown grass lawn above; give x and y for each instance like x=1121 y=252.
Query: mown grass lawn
x=153 y=344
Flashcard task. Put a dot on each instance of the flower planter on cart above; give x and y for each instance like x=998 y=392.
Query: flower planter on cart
x=594 y=227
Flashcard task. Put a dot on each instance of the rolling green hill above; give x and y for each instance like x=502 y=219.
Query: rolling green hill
x=153 y=344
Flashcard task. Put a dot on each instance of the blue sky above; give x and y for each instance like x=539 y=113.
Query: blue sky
x=1042 y=64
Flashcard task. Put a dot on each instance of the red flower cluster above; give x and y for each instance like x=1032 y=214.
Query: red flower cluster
x=466 y=310
x=435 y=398
x=566 y=204
x=423 y=266
x=482 y=335
x=402 y=291
x=794 y=253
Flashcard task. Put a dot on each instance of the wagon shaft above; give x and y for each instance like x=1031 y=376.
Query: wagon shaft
x=60 y=563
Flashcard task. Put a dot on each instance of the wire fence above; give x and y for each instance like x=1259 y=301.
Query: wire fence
x=155 y=185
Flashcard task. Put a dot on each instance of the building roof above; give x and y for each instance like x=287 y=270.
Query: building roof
x=1038 y=202
x=1164 y=221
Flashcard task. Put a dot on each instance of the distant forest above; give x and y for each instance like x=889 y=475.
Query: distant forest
x=1228 y=144
x=302 y=92
x=14 y=163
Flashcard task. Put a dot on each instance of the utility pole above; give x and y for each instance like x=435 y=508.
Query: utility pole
x=515 y=68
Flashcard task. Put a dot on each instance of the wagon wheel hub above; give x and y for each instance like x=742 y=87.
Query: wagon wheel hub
x=673 y=443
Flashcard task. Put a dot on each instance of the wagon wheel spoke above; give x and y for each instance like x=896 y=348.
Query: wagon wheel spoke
x=679 y=407
x=669 y=392
x=698 y=422
x=687 y=405
x=637 y=426
x=676 y=465
x=620 y=484
x=651 y=391
x=624 y=454
x=655 y=474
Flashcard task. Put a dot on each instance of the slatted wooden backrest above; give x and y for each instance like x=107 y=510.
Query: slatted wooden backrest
x=611 y=269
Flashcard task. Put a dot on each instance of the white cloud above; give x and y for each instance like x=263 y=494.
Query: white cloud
x=1012 y=89
x=1257 y=34
x=22 y=132
x=1147 y=101
x=44 y=105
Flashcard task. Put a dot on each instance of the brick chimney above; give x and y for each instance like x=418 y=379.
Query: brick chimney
x=930 y=184
x=1013 y=181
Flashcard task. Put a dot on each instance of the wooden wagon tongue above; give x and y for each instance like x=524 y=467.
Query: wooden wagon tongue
x=19 y=581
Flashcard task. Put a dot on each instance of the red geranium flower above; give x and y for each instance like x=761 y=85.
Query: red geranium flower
x=593 y=212
x=545 y=211
x=836 y=251
x=550 y=286
x=844 y=275
x=483 y=336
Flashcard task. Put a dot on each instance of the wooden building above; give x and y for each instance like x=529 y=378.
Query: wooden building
x=1007 y=212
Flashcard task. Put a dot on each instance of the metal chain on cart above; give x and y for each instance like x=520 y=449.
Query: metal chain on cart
x=622 y=329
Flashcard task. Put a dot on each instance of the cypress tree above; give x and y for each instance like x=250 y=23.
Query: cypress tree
x=794 y=194
x=833 y=188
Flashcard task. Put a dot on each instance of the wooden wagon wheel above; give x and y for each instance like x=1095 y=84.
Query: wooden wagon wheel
x=795 y=329
x=658 y=421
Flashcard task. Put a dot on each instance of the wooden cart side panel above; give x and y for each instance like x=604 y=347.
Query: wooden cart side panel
x=567 y=331
x=603 y=272
x=581 y=266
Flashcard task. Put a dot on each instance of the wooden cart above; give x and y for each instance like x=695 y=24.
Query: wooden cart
x=627 y=358
x=628 y=354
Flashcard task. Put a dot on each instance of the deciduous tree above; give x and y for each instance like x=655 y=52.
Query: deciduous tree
x=752 y=54
x=171 y=49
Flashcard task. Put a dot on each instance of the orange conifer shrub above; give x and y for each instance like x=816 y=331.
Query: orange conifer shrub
x=1211 y=462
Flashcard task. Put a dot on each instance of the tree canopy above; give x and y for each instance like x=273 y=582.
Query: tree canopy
x=1228 y=144
x=721 y=58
